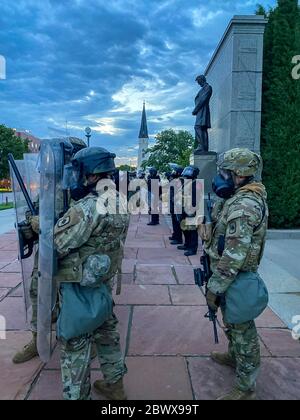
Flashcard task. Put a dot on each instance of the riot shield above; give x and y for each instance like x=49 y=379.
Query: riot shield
x=27 y=250
x=32 y=176
x=50 y=209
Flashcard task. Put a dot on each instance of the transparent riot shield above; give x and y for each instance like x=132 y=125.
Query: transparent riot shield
x=50 y=208
x=27 y=249
x=32 y=175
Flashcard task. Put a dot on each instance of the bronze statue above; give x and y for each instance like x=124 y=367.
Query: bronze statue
x=202 y=112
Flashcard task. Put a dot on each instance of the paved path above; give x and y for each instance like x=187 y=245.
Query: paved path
x=7 y=220
x=280 y=269
x=164 y=334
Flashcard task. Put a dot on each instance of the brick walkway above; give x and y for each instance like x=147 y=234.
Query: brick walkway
x=164 y=334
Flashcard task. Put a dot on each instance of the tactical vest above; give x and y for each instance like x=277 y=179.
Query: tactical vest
x=108 y=238
x=229 y=210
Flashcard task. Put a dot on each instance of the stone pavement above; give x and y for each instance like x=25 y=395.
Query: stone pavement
x=7 y=220
x=165 y=336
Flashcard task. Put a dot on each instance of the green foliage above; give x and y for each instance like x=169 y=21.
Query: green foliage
x=126 y=168
x=170 y=147
x=261 y=10
x=281 y=115
x=6 y=206
x=9 y=143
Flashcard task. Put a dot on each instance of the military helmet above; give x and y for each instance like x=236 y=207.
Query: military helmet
x=78 y=144
x=176 y=169
x=243 y=162
x=94 y=160
x=190 y=172
x=152 y=171
x=140 y=174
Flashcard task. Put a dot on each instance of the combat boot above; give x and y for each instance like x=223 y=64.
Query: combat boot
x=114 y=392
x=28 y=352
x=176 y=242
x=238 y=395
x=223 y=359
x=190 y=252
x=182 y=248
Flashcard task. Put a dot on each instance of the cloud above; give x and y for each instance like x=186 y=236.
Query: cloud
x=106 y=126
x=202 y=17
x=126 y=161
x=77 y=63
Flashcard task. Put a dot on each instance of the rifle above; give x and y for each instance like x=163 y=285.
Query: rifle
x=25 y=244
x=202 y=276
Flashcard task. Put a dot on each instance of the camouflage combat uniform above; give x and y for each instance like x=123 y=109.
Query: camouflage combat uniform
x=80 y=233
x=242 y=222
x=34 y=294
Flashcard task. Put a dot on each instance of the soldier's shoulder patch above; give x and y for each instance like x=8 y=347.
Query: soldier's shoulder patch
x=232 y=227
x=71 y=218
x=63 y=222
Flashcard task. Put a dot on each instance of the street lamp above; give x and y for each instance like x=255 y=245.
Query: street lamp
x=88 y=134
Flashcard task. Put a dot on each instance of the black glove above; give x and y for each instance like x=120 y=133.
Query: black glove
x=212 y=301
x=26 y=231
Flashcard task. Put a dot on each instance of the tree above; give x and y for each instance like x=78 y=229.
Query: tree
x=170 y=146
x=126 y=168
x=281 y=115
x=9 y=143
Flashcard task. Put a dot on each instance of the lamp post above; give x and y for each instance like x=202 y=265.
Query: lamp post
x=88 y=134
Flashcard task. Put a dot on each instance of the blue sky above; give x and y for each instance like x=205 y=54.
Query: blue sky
x=93 y=62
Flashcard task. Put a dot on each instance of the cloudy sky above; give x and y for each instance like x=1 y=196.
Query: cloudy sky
x=78 y=63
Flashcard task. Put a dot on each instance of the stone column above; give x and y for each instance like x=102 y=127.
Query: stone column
x=235 y=73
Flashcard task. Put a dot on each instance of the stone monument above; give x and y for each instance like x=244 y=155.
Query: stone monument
x=202 y=158
x=235 y=72
x=202 y=113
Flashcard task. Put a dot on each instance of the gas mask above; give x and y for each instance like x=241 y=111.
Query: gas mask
x=223 y=184
x=75 y=182
x=78 y=193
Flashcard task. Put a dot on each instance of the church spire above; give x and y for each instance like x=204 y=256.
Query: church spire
x=144 y=129
x=143 y=139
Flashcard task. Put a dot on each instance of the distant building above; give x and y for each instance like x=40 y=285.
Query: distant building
x=34 y=142
x=143 y=139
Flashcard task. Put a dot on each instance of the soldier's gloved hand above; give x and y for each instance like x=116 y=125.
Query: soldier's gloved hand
x=26 y=231
x=28 y=216
x=212 y=300
x=183 y=225
x=35 y=224
x=205 y=232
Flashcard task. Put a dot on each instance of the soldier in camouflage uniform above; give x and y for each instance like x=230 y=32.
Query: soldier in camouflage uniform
x=236 y=245
x=189 y=221
x=84 y=231
x=29 y=351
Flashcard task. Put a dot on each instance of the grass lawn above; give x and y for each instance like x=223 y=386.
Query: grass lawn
x=6 y=206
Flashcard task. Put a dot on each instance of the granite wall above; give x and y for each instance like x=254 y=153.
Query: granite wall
x=235 y=73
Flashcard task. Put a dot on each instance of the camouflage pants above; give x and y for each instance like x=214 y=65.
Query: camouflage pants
x=244 y=348
x=76 y=360
x=34 y=299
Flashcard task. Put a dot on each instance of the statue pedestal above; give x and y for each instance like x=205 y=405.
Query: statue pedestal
x=207 y=164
